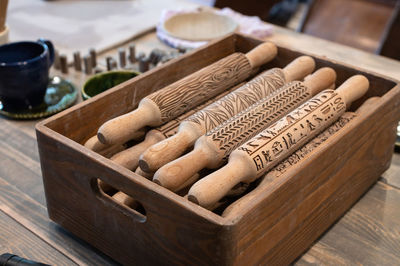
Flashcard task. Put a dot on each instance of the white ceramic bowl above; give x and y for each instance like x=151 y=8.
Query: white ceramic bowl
x=199 y=26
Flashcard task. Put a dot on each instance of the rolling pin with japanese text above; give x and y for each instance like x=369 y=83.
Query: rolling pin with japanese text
x=296 y=159
x=289 y=163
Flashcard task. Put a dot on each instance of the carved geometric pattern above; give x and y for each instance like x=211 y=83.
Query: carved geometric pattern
x=238 y=100
x=245 y=125
x=204 y=84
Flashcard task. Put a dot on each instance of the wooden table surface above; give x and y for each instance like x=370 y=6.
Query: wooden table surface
x=369 y=233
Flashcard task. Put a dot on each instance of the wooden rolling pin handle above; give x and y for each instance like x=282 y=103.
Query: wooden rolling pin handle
x=353 y=88
x=188 y=182
x=129 y=158
x=144 y=174
x=125 y=199
x=174 y=174
x=368 y=104
x=262 y=54
x=320 y=80
x=299 y=68
x=121 y=128
x=166 y=150
x=94 y=144
x=219 y=183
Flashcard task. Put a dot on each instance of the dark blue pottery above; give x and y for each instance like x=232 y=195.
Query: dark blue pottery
x=24 y=74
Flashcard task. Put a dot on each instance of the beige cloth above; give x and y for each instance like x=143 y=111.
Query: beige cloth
x=78 y=25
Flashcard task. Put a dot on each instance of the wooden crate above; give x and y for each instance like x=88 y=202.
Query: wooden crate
x=279 y=225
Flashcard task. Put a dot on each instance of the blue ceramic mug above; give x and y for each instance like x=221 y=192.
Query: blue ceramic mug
x=24 y=74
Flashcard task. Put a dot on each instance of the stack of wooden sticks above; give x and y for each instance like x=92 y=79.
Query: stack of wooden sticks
x=211 y=134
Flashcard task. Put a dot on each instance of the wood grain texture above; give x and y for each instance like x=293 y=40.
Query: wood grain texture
x=246 y=125
x=327 y=165
x=114 y=220
x=129 y=158
x=169 y=129
x=269 y=147
x=194 y=90
x=288 y=163
x=33 y=216
x=356 y=23
x=369 y=227
x=210 y=117
x=19 y=159
x=335 y=52
x=139 y=88
x=214 y=148
x=172 y=222
x=341 y=244
x=392 y=176
x=16 y=239
x=222 y=110
x=186 y=93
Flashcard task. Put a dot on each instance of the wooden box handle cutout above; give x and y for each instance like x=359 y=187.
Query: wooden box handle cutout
x=119 y=201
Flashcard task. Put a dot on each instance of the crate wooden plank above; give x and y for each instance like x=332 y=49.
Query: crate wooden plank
x=295 y=209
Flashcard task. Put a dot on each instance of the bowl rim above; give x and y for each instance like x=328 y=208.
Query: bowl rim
x=85 y=96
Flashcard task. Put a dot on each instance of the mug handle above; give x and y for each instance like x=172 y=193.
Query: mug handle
x=51 y=49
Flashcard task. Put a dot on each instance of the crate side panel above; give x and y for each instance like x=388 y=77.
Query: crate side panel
x=261 y=229
x=170 y=234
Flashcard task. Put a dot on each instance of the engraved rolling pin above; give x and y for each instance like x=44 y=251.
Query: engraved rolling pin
x=243 y=203
x=181 y=96
x=258 y=155
x=94 y=144
x=296 y=158
x=129 y=158
x=203 y=121
x=213 y=148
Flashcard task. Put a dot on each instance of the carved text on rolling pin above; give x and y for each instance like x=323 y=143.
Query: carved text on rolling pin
x=291 y=131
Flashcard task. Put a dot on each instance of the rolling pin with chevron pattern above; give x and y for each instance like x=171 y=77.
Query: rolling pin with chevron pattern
x=268 y=148
x=182 y=95
x=213 y=148
x=129 y=158
x=213 y=115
